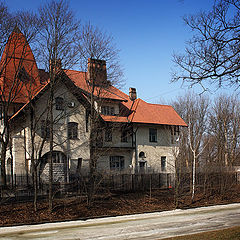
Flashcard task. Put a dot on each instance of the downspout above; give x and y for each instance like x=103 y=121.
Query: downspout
x=68 y=148
x=134 y=142
x=136 y=152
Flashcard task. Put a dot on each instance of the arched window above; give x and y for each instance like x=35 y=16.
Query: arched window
x=72 y=130
x=141 y=155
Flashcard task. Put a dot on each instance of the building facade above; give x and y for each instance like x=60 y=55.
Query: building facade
x=91 y=119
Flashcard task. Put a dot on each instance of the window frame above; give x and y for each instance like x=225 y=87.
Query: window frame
x=23 y=75
x=72 y=130
x=108 y=134
x=59 y=103
x=124 y=136
x=153 y=135
x=163 y=163
x=108 y=110
x=116 y=163
x=45 y=129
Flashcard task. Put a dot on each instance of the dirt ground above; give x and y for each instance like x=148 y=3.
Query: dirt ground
x=115 y=204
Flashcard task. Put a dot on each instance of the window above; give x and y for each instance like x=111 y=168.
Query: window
x=45 y=129
x=23 y=75
x=163 y=163
x=108 y=134
x=87 y=113
x=116 y=163
x=107 y=110
x=141 y=155
x=99 y=138
x=152 y=135
x=124 y=136
x=72 y=130
x=174 y=132
x=59 y=103
x=1 y=112
x=58 y=157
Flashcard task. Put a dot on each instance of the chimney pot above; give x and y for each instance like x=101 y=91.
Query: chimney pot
x=132 y=94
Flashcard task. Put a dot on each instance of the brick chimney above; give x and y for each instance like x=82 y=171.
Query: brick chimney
x=97 y=72
x=132 y=94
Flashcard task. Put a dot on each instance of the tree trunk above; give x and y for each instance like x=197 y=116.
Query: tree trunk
x=3 y=165
x=193 y=175
x=50 y=160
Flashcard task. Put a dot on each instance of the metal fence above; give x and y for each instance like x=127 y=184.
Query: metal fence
x=22 y=186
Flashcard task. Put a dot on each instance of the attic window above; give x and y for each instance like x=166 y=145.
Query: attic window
x=23 y=76
x=59 y=103
x=107 y=110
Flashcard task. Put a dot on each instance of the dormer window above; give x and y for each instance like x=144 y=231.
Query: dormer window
x=107 y=110
x=23 y=76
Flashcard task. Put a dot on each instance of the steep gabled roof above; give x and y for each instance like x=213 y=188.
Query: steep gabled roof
x=19 y=73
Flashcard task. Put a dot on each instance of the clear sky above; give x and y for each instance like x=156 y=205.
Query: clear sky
x=146 y=31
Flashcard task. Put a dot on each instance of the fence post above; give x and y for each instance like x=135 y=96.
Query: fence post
x=150 y=185
x=15 y=180
x=123 y=184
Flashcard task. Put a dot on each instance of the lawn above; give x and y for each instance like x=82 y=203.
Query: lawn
x=224 y=234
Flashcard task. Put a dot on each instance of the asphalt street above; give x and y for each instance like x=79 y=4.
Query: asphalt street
x=157 y=225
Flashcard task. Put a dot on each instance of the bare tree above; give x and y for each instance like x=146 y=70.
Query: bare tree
x=14 y=76
x=5 y=25
x=95 y=43
x=212 y=55
x=97 y=48
x=57 y=41
x=194 y=110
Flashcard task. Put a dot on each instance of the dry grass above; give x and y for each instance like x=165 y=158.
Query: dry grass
x=225 y=234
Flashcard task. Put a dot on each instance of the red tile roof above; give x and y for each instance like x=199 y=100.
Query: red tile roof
x=144 y=112
x=18 y=54
x=79 y=79
x=138 y=112
x=18 y=57
x=147 y=113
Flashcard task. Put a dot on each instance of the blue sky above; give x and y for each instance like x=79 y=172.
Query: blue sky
x=146 y=31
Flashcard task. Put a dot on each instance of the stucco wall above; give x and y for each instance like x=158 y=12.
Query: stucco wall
x=153 y=151
x=73 y=149
x=103 y=163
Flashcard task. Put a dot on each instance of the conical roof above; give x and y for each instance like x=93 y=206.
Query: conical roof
x=19 y=73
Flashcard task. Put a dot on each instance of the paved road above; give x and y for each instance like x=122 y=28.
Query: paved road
x=141 y=226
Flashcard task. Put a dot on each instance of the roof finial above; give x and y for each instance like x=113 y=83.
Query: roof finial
x=16 y=29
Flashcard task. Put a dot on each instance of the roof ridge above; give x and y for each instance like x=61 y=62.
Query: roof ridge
x=65 y=70
x=162 y=105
